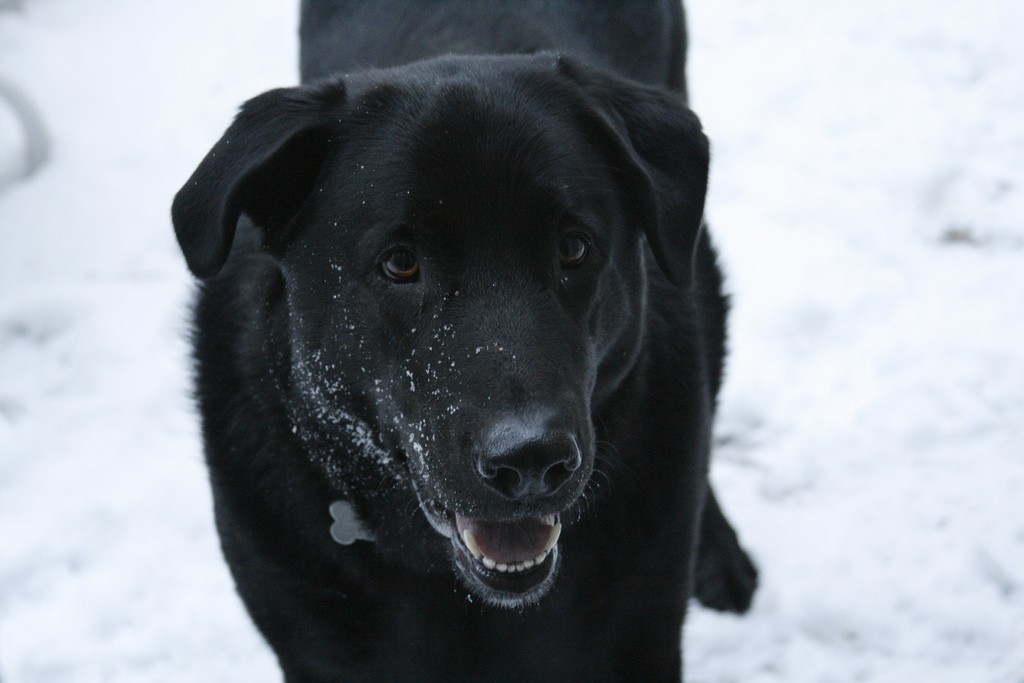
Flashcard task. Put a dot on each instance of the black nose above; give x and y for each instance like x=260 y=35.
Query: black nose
x=526 y=464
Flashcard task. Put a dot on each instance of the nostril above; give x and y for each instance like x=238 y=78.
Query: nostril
x=559 y=472
x=507 y=481
x=557 y=475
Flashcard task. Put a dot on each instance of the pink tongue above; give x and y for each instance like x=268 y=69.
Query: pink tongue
x=509 y=542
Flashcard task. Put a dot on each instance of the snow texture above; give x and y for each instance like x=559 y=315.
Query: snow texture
x=867 y=195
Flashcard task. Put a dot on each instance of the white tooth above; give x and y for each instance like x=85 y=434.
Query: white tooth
x=556 y=531
x=470 y=540
x=540 y=558
x=501 y=567
x=528 y=564
x=489 y=563
x=521 y=567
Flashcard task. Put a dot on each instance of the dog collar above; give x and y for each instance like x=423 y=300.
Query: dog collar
x=347 y=527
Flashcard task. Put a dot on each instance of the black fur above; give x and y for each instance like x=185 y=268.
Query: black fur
x=502 y=385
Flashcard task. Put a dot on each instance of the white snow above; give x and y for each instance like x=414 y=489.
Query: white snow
x=868 y=198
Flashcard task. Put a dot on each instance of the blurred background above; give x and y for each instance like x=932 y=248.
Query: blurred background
x=867 y=196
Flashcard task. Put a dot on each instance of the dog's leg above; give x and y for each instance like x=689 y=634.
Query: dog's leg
x=726 y=578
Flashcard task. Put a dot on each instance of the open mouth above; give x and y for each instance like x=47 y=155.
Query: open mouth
x=507 y=563
x=509 y=548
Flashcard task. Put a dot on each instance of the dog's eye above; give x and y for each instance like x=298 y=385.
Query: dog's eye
x=401 y=265
x=572 y=250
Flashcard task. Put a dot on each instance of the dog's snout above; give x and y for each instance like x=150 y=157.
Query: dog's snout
x=529 y=465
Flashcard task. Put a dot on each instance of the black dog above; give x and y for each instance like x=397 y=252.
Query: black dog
x=467 y=305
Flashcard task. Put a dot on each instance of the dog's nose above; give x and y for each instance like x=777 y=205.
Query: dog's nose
x=528 y=465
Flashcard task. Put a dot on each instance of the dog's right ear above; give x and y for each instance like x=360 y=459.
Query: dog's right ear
x=264 y=166
x=664 y=154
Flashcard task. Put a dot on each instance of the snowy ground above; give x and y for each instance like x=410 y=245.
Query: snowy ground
x=868 y=198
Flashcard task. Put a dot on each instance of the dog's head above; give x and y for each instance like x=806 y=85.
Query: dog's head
x=461 y=249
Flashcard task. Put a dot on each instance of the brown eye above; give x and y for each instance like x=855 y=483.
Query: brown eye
x=401 y=265
x=572 y=250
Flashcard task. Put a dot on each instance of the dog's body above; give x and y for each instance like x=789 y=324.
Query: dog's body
x=471 y=299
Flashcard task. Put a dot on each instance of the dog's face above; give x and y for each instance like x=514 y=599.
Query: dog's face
x=461 y=250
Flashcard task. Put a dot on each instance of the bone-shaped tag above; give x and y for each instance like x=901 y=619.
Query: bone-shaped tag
x=347 y=527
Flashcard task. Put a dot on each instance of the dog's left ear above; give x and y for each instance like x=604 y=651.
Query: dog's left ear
x=264 y=166
x=666 y=157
